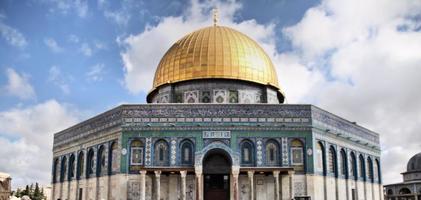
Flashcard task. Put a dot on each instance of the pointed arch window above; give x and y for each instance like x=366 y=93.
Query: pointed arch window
x=297 y=152
x=113 y=159
x=136 y=152
x=63 y=169
x=187 y=150
x=370 y=169
x=71 y=174
x=272 y=152
x=161 y=153
x=332 y=161
x=353 y=166
x=320 y=157
x=90 y=163
x=247 y=152
x=362 y=167
x=101 y=160
x=80 y=165
x=377 y=171
x=55 y=170
x=343 y=163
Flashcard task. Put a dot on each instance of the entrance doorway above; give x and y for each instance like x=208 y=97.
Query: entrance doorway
x=216 y=171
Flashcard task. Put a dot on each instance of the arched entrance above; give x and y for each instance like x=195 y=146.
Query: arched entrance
x=216 y=172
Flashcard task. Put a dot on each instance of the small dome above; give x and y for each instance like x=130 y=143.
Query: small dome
x=414 y=163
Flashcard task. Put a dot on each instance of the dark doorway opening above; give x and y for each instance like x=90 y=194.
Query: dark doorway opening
x=216 y=171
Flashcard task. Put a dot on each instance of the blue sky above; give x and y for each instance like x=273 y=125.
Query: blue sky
x=63 y=61
x=79 y=39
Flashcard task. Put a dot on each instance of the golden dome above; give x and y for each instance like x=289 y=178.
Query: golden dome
x=216 y=52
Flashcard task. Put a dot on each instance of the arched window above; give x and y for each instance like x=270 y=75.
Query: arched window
x=353 y=166
x=247 y=152
x=113 y=159
x=332 y=160
x=272 y=152
x=100 y=161
x=370 y=169
x=55 y=170
x=320 y=157
x=90 y=163
x=161 y=153
x=343 y=163
x=297 y=152
x=80 y=165
x=404 y=191
x=389 y=192
x=63 y=169
x=136 y=152
x=71 y=174
x=362 y=167
x=187 y=152
x=377 y=175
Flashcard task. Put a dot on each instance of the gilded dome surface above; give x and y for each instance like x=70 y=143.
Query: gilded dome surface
x=216 y=52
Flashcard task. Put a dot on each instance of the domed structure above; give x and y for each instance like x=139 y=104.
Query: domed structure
x=414 y=164
x=203 y=62
x=243 y=144
x=410 y=188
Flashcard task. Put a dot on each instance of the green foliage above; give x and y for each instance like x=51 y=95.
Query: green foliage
x=36 y=193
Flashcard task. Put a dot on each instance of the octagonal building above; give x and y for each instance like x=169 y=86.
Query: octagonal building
x=216 y=127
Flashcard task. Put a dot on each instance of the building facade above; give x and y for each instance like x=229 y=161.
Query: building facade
x=410 y=188
x=5 y=186
x=215 y=126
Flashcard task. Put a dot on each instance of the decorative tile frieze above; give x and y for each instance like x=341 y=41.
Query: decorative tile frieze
x=259 y=151
x=140 y=117
x=285 y=156
x=148 y=152
x=173 y=149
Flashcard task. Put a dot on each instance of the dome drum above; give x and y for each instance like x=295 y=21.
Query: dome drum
x=215 y=91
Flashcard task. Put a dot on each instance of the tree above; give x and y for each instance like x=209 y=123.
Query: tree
x=26 y=191
x=37 y=194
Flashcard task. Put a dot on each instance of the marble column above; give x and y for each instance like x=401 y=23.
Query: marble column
x=183 y=184
x=199 y=183
x=142 y=185
x=291 y=184
x=251 y=182
x=276 y=176
x=235 y=171
x=158 y=185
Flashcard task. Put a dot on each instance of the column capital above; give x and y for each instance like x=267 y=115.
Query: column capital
x=157 y=173
x=250 y=173
x=198 y=170
x=183 y=173
x=276 y=173
x=235 y=170
x=143 y=172
x=291 y=173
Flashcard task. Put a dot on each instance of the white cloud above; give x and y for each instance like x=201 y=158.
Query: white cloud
x=27 y=155
x=80 y=7
x=122 y=15
x=73 y=38
x=96 y=72
x=18 y=85
x=60 y=80
x=11 y=35
x=372 y=65
x=86 y=49
x=52 y=45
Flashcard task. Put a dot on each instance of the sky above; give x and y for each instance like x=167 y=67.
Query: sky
x=64 y=61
